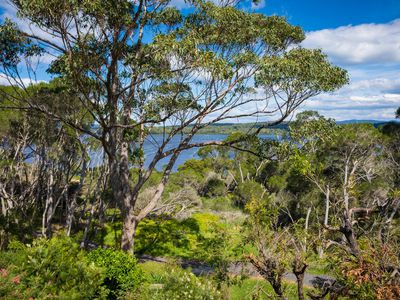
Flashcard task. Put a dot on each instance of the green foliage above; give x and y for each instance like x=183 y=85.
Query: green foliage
x=214 y=187
x=14 y=45
x=169 y=237
x=248 y=190
x=49 y=269
x=223 y=203
x=311 y=129
x=308 y=70
x=176 y=283
x=258 y=289
x=121 y=272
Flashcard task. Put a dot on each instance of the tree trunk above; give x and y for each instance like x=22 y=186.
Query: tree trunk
x=268 y=268
x=120 y=185
x=327 y=195
x=299 y=269
x=71 y=205
x=48 y=211
x=129 y=226
x=300 y=292
x=348 y=232
x=277 y=286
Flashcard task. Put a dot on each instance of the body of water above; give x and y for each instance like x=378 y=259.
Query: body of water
x=153 y=142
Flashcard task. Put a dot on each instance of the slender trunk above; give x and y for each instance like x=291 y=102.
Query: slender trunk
x=48 y=211
x=300 y=280
x=84 y=241
x=348 y=232
x=241 y=172
x=306 y=228
x=101 y=183
x=277 y=286
x=326 y=219
x=299 y=270
x=3 y=204
x=72 y=204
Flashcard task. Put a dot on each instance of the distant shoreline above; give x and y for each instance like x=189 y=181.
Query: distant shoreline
x=229 y=128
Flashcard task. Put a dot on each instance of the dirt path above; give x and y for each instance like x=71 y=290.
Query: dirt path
x=199 y=268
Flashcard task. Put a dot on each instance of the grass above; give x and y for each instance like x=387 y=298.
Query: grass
x=153 y=271
x=249 y=288
x=253 y=288
x=319 y=266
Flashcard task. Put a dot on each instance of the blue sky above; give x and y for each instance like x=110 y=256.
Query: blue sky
x=320 y=14
x=360 y=36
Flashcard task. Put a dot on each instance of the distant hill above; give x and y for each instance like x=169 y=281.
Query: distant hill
x=228 y=128
x=360 y=121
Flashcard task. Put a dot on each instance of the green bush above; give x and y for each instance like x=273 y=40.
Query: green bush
x=245 y=191
x=121 y=271
x=49 y=269
x=223 y=203
x=176 y=283
x=214 y=187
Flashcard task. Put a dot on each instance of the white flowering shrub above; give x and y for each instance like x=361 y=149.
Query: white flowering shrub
x=178 y=284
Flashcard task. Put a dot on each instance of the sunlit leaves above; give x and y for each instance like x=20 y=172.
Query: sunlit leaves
x=168 y=16
x=14 y=45
x=170 y=97
x=301 y=71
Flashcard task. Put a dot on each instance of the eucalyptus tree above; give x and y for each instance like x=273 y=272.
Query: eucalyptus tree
x=313 y=135
x=144 y=63
x=40 y=157
x=352 y=167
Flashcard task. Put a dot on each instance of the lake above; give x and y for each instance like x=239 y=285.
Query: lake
x=152 y=142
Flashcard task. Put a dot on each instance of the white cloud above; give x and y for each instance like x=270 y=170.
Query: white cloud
x=382 y=85
x=361 y=44
x=353 y=103
x=371 y=53
x=21 y=82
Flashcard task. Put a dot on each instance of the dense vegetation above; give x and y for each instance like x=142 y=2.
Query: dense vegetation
x=84 y=216
x=323 y=201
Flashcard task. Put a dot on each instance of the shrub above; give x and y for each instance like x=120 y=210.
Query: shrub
x=371 y=274
x=121 y=271
x=176 y=283
x=49 y=269
x=223 y=203
x=246 y=191
x=214 y=187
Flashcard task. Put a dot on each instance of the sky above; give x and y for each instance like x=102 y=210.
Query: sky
x=361 y=36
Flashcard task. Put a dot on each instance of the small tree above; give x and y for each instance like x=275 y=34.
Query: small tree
x=278 y=249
